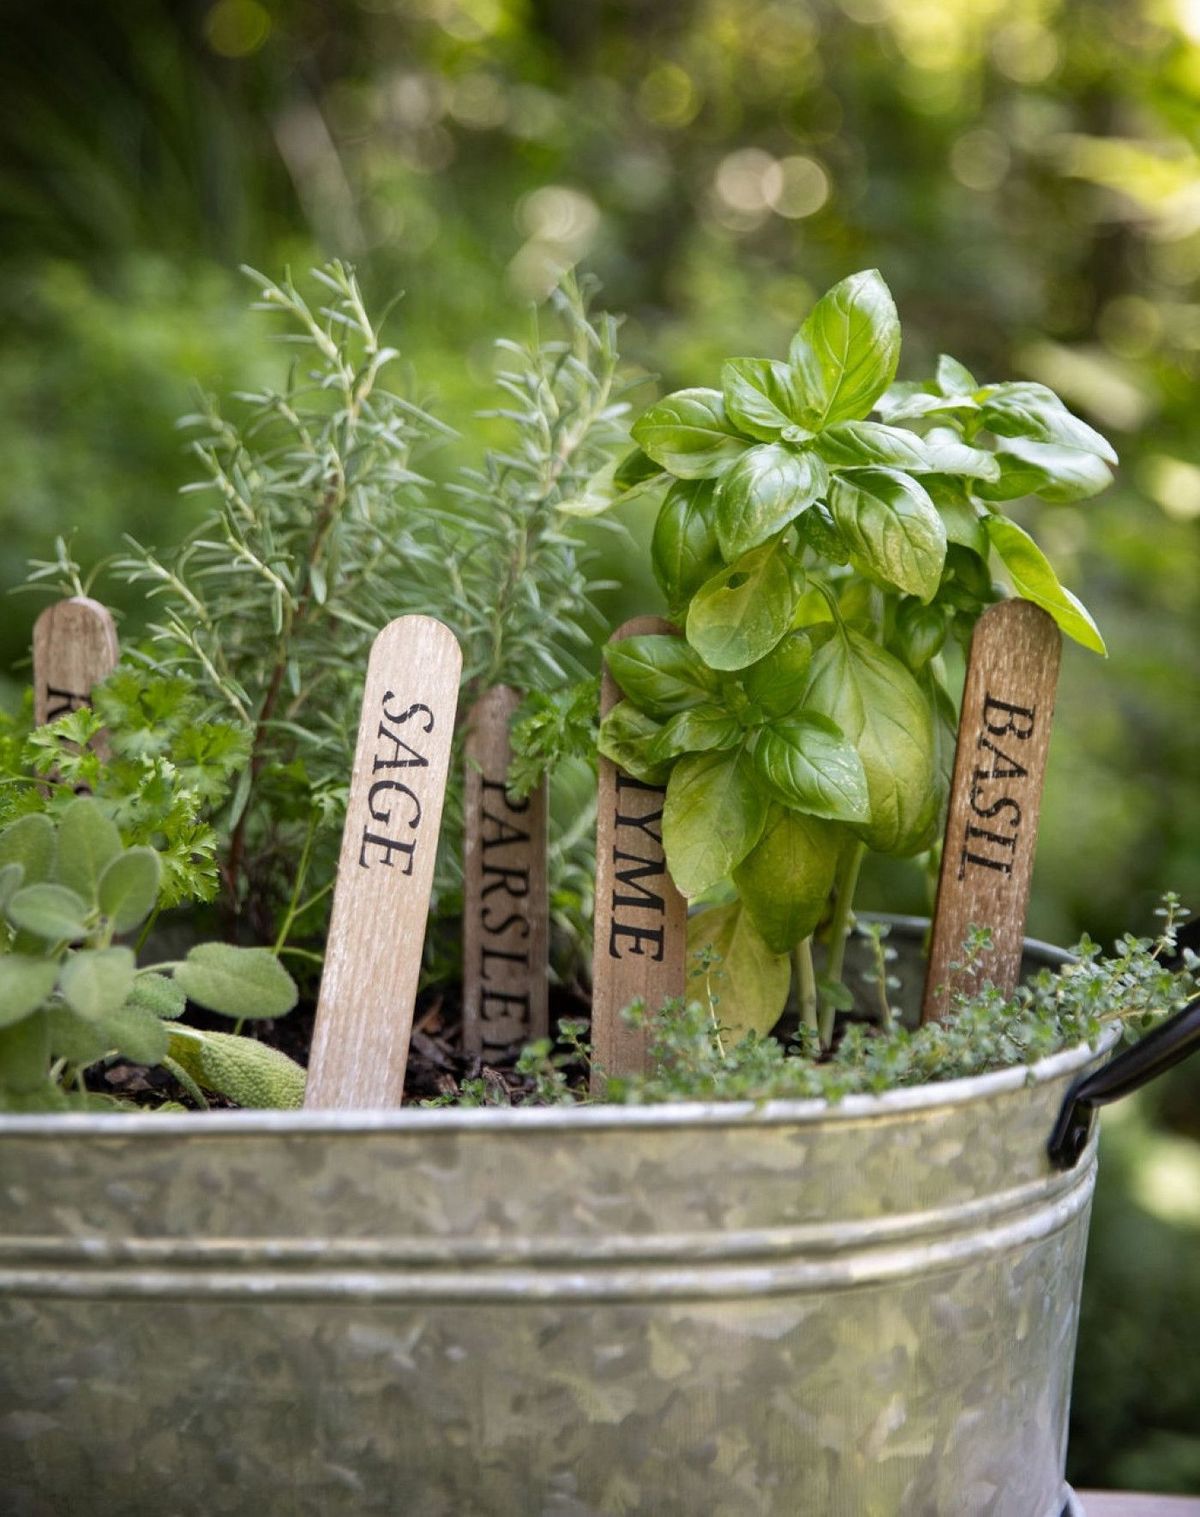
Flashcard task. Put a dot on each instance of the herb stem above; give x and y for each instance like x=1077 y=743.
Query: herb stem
x=839 y=929
x=879 y=953
x=147 y=928
x=806 y=982
x=713 y=1002
x=293 y=908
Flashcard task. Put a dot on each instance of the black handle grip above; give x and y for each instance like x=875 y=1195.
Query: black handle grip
x=1167 y=1044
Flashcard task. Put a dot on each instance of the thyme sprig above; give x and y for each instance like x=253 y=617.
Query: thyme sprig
x=1142 y=981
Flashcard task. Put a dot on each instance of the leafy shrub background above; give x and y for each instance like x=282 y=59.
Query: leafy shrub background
x=1026 y=174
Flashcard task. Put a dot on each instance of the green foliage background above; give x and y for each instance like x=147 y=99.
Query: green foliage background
x=1026 y=174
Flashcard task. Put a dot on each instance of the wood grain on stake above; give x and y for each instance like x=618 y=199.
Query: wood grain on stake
x=385 y=871
x=505 y=906
x=995 y=797
x=640 y=946
x=74 y=648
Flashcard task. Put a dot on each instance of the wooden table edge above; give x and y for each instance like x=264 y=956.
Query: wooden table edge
x=1136 y=1504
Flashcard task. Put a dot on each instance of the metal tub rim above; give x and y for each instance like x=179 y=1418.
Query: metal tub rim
x=705 y=1114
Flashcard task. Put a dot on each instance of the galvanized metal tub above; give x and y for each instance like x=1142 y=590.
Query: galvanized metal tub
x=865 y=1310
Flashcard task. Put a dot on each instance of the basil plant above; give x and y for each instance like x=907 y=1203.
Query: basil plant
x=824 y=530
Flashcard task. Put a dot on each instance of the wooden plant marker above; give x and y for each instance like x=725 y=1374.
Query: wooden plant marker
x=74 y=648
x=385 y=871
x=640 y=946
x=505 y=904
x=995 y=797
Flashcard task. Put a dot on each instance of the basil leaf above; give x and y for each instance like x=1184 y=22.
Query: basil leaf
x=919 y=633
x=87 y=841
x=785 y=880
x=684 y=550
x=627 y=737
x=777 y=683
x=659 y=673
x=748 y=985
x=1023 y=409
x=953 y=378
x=881 y=710
x=741 y=613
x=906 y=402
x=807 y=764
x=636 y=468
x=855 y=444
x=25 y=983
x=713 y=815
x=594 y=495
x=762 y=397
x=1035 y=580
x=967 y=585
x=768 y=487
x=959 y=513
x=96 y=981
x=1039 y=468
x=701 y=729
x=847 y=350
x=946 y=453
x=892 y=528
x=945 y=733
x=819 y=531
x=690 y=434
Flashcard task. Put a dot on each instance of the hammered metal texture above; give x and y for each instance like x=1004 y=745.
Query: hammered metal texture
x=695 y=1311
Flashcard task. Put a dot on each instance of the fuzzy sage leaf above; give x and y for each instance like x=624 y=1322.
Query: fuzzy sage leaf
x=87 y=841
x=237 y=982
x=96 y=981
x=49 y=911
x=25 y=984
x=128 y=887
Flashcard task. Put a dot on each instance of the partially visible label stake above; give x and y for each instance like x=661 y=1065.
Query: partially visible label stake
x=74 y=648
x=385 y=871
x=505 y=909
x=640 y=946
x=995 y=798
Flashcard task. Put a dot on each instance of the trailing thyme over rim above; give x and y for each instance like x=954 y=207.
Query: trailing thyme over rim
x=1134 y=988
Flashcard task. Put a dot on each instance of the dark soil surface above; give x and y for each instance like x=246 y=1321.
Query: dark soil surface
x=437 y=1064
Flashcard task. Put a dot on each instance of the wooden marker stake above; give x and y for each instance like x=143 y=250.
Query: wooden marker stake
x=385 y=871
x=640 y=946
x=995 y=797
x=505 y=905
x=74 y=648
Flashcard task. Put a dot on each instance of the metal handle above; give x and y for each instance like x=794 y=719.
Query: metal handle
x=1167 y=1044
